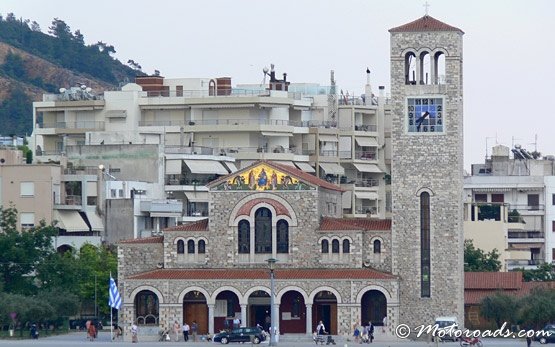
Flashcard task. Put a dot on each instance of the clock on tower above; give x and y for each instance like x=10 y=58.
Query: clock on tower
x=425 y=115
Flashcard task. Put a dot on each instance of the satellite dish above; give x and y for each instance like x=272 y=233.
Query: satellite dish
x=62 y=90
x=83 y=87
x=265 y=70
x=88 y=90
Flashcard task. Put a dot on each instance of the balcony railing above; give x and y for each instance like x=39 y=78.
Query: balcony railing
x=40 y=153
x=72 y=200
x=539 y=207
x=367 y=210
x=328 y=153
x=369 y=127
x=525 y=235
x=195 y=150
x=366 y=155
x=73 y=125
x=523 y=262
x=367 y=182
x=82 y=170
x=177 y=180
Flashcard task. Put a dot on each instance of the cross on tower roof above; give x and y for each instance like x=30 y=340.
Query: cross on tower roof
x=426 y=6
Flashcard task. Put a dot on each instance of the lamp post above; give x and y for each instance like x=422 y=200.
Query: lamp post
x=273 y=318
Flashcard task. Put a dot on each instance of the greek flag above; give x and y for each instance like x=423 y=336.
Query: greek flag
x=115 y=298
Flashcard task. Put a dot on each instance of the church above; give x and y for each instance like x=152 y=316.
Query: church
x=273 y=219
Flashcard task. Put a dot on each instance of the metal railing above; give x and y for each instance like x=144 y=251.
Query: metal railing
x=368 y=127
x=526 y=235
x=371 y=182
x=196 y=150
x=329 y=153
x=367 y=210
x=366 y=155
x=96 y=125
x=45 y=153
x=72 y=200
x=178 y=180
x=538 y=207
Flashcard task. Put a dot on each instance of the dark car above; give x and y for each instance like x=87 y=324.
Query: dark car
x=547 y=335
x=255 y=334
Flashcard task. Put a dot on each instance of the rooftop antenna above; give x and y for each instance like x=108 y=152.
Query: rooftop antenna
x=265 y=73
x=426 y=6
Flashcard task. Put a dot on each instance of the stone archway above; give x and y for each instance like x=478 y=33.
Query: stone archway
x=195 y=309
x=292 y=313
x=373 y=307
x=227 y=308
x=258 y=309
x=324 y=308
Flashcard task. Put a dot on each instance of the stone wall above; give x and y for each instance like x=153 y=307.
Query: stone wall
x=137 y=258
x=431 y=162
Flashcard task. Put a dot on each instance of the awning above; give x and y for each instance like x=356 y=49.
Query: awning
x=368 y=168
x=274 y=105
x=164 y=107
x=95 y=221
x=346 y=199
x=301 y=108
x=116 y=114
x=266 y=133
x=332 y=169
x=366 y=141
x=284 y=162
x=328 y=138
x=165 y=214
x=305 y=167
x=70 y=221
x=197 y=196
x=173 y=167
x=231 y=166
x=206 y=167
x=366 y=195
x=204 y=106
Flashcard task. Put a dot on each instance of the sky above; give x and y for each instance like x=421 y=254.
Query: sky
x=509 y=50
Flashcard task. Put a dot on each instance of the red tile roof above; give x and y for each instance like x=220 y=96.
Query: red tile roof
x=153 y=239
x=328 y=223
x=426 y=23
x=200 y=225
x=262 y=274
x=293 y=171
x=493 y=280
x=246 y=208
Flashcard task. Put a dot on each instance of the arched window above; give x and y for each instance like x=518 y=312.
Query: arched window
x=335 y=246
x=425 y=245
x=410 y=68
x=282 y=236
x=263 y=231
x=191 y=247
x=180 y=247
x=425 y=68
x=201 y=247
x=325 y=246
x=377 y=246
x=244 y=237
x=346 y=246
x=146 y=308
x=439 y=68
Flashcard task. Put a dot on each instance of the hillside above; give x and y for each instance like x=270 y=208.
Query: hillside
x=33 y=63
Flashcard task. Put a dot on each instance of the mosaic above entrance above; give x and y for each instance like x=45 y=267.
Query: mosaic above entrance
x=263 y=177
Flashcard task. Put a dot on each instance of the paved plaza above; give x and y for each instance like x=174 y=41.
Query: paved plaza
x=79 y=339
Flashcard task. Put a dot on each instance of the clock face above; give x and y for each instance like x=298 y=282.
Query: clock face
x=425 y=115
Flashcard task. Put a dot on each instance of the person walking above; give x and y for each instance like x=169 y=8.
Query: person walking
x=186 y=329
x=370 y=328
x=92 y=332
x=194 y=329
x=134 y=333
x=320 y=329
x=176 y=330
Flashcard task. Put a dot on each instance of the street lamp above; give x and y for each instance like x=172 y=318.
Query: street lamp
x=273 y=318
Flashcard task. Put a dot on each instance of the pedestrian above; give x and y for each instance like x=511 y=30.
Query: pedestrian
x=320 y=329
x=34 y=332
x=236 y=323
x=91 y=332
x=370 y=328
x=186 y=329
x=134 y=333
x=87 y=325
x=528 y=341
x=356 y=333
x=176 y=329
x=194 y=329
x=384 y=326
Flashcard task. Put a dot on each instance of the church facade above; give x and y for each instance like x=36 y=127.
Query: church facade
x=337 y=270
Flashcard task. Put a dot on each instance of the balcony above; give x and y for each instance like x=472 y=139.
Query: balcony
x=162 y=208
x=527 y=264
x=80 y=125
x=70 y=202
x=179 y=180
x=329 y=153
x=527 y=208
x=193 y=150
x=369 y=127
x=366 y=155
x=526 y=236
x=205 y=93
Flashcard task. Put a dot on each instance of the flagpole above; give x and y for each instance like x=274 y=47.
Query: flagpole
x=111 y=319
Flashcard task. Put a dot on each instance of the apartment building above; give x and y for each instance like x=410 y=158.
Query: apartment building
x=179 y=134
x=510 y=206
x=38 y=193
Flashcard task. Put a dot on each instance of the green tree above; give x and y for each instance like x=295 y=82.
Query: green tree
x=538 y=308
x=475 y=260
x=500 y=308
x=544 y=272
x=14 y=66
x=22 y=252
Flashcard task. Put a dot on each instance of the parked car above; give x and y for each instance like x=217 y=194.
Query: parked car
x=445 y=323
x=254 y=334
x=543 y=339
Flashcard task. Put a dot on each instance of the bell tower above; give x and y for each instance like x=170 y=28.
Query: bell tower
x=427 y=170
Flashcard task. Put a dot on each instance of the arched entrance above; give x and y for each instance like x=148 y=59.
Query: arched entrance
x=259 y=309
x=195 y=309
x=64 y=248
x=373 y=307
x=292 y=313
x=146 y=308
x=325 y=309
x=227 y=308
